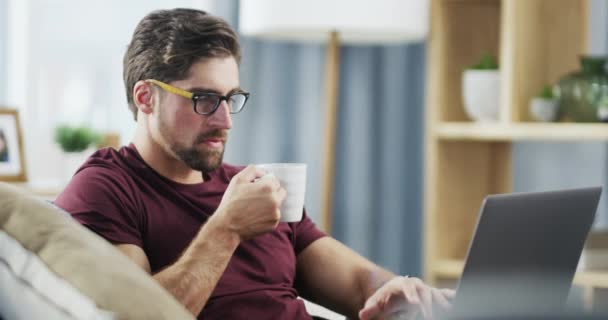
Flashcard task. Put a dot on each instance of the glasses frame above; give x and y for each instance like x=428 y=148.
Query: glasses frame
x=196 y=96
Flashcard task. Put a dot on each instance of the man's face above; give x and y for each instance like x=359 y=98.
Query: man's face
x=198 y=140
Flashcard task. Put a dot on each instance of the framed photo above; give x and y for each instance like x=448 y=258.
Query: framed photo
x=12 y=161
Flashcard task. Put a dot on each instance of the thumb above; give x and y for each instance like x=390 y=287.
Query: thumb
x=250 y=173
x=370 y=311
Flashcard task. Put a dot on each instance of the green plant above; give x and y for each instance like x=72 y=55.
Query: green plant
x=546 y=92
x=487 y=62
x=75 y=139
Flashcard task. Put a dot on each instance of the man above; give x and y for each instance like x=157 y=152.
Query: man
x=207 y=231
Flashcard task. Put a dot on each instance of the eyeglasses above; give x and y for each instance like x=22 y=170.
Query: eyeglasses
x=206 y=103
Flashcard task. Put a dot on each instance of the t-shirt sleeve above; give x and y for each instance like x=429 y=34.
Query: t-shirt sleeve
x=306 y=232
x=101 y=200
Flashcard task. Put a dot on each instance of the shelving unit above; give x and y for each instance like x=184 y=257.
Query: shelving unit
x=523 y=131
x=536 y=42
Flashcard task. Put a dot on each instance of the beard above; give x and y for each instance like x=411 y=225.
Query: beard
x=203 y=160
x=196 y=157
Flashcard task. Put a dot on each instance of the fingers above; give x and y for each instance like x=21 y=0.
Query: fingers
x=426 y=297
x=250 y=173
x=416 y=300
x=418 y=297
x=369 y=312
x=448 y=293
x=269 y=180
x=374 y=306
x=440 y=298
x=281 y=195
x=411 y=296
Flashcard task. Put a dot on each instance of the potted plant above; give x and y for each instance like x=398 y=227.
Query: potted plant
x=581 y=94
x=481 y=89
x=544 y=106
x=74 y=141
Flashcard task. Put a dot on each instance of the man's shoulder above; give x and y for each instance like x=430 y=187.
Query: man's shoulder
x=110 y=167
x=110 y=158
x=107 y=172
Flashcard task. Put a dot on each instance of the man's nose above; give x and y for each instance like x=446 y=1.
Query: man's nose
x=221 y=118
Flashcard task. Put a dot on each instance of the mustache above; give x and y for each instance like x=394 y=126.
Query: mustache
x=216 y=134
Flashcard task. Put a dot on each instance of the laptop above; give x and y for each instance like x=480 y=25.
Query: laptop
x=525 y=252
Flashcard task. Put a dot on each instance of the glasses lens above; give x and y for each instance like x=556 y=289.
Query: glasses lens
x=205 y=104
x=237 y=102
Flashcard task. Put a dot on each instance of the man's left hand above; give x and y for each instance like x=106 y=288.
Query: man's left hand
x=405 y=297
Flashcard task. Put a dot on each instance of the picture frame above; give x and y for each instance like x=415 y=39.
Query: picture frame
x=12 y=158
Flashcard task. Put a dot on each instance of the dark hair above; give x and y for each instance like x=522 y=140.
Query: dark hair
x=166 y=43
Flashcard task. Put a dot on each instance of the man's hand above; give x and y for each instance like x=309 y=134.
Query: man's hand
x=405 y=297
x=251 y=207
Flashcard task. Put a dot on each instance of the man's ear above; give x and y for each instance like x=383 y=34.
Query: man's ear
x=143 y=96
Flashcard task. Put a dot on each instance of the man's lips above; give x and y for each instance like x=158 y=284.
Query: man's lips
x=215 y=139
x=214 y=142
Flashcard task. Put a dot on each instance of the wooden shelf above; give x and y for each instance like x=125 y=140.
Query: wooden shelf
x=449 y=269
x=592 y=279
x=522 y=131
x=465 y=161
x=452 y=269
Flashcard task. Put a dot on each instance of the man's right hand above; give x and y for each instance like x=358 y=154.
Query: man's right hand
x=251 y=207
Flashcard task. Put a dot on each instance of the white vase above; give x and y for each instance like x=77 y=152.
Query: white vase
x=481 y=94
x=542 y=109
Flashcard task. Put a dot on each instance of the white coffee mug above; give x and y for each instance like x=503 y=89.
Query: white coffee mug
x=292 y=177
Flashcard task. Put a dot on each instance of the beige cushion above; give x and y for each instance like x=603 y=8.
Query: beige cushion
x=30 y=290
x=84 y=260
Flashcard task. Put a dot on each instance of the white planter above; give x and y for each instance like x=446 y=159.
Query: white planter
x=72 y=161
x=481 y=94
x=543 y=109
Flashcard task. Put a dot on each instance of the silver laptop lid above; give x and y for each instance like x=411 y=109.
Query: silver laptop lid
x=525 y=251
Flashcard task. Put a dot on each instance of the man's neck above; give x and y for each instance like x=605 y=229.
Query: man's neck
x=165 y=164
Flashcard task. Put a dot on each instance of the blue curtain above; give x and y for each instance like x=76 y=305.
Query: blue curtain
x=378 y=204
x=378 y=178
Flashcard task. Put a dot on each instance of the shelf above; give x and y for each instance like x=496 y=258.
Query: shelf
x=449 y=269
x=452 y=269
x=522 y=131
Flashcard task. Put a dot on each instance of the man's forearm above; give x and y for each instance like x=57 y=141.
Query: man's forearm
x=337 y=277
x=192 y=278
x=371 y=280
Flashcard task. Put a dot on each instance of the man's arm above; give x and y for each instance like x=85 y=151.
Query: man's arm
x=336 y=277
x=192 y=278
x=247 y=209
x=331 y=274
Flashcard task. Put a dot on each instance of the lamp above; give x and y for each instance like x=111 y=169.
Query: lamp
x=337 y=21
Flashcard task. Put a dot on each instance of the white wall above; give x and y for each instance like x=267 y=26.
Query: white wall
x=3 y=47
x=65 y=66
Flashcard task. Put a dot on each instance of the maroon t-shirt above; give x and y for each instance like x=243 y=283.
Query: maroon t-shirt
x=118 y=196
